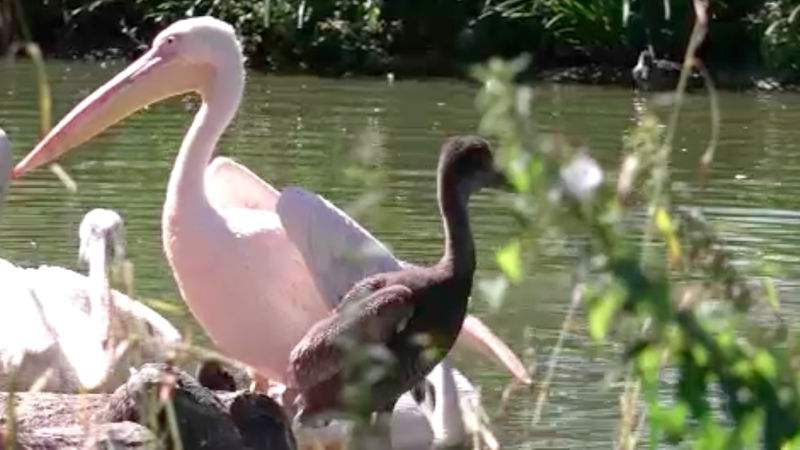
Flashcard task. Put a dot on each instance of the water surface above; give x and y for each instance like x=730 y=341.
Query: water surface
x=305 y=131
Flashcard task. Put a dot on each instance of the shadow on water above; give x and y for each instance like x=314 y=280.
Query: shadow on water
x=303 y=130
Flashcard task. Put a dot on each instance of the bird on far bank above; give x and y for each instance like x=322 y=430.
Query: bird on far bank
x=653 y=74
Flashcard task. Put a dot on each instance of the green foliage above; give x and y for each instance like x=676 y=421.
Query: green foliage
x=781 y=39
x=693 y=303
x=582 y=23
x=424 y=36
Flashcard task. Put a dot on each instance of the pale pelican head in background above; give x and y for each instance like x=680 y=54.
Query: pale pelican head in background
x=225 y=231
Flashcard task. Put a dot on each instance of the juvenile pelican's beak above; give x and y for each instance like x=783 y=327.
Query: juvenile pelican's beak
x=158 y=74
x=498 y=180
x=477 y=336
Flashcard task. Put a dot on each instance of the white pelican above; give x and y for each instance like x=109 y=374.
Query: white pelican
x=223 y=228
x=54 y=318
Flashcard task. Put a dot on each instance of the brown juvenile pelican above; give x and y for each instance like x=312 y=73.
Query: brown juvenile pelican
x=409 y=311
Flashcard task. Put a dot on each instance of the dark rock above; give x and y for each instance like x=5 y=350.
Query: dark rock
x=262 y=423
x=204 y=419
x=47 y=410
x=123 y=435
x=212 y=375
x=258 y=418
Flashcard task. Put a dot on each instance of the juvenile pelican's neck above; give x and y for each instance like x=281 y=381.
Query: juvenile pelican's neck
x=459 y=248
x=220 y=101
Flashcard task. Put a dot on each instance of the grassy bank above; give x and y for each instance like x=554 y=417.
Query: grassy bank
x=429 y=37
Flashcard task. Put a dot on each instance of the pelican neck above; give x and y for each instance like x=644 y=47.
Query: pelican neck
x=220 y=101
x=99 y=291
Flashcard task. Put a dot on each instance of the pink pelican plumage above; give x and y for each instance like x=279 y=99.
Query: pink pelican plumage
x=227 y=234
x=70 y=325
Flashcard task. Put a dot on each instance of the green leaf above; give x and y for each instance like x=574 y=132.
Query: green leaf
x=602 y=312
x=672 y=420
x=510 y=261
x=165 y=306
x=764 y=363
x=770 y=293
x=648 y=359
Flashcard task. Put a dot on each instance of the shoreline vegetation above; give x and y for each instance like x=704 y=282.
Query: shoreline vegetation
x=751 y=44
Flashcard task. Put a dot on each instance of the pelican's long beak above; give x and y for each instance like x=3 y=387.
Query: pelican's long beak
x=158 y=74
x=477 y=336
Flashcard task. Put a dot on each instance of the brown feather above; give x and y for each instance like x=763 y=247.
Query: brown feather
x=318 y=357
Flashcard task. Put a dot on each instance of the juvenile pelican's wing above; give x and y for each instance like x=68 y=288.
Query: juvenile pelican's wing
x=232 y=185
x=318 y=357
x=337 y=250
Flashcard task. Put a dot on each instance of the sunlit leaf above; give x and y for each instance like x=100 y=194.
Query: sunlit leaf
x=648 y=359
x=602 y=312
x=664 y=224
x=770 y=293
x=672 y=420
x=165 y=306
x=764 y=363
x=510 y=260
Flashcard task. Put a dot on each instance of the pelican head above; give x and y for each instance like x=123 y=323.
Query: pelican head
x=199 y=54
x=102 y=229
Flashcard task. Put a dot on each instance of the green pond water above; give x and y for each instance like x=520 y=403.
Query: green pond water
x=293 y=130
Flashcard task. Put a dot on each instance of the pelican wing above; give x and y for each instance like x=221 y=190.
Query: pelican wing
x=337 y=250
x=318 y=358
x=53 y=285
x=22 y=323
x=232 y=185
x=34 y=321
